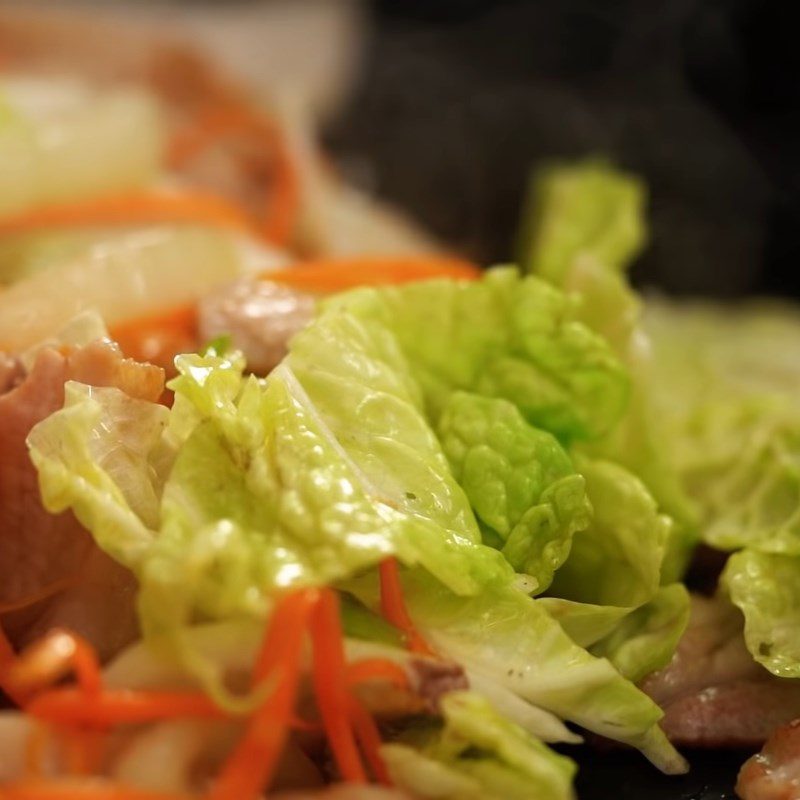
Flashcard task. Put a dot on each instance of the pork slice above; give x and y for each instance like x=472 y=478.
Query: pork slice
x=45 y=555
x=260 y=317
x=38 y=550
x=774 y=774
x=713 y=693
x=11 y=372
x=711 y=652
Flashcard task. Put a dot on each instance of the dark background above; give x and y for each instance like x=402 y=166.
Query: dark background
x=461 y=98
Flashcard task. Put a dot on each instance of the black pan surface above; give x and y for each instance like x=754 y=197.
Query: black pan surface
x=627 y=776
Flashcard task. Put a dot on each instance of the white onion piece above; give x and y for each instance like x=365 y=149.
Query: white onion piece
x=15 y=728
x=131 y=276
x=63 y=142
x=162 y=758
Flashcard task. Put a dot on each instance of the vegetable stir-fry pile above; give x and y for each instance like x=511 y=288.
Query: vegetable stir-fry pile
x=441 y=522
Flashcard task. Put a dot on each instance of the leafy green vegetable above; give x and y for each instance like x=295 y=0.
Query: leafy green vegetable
x=584 y=623
x=616 y=560
x=766 y=587
x=587 y=210
x=583 y=226
x=478 y=754
x=726 y=388
x=359 y=622
x=104 y=456
x=510 y=637
x=504 y=336
x=646 y=639
x=519 y=480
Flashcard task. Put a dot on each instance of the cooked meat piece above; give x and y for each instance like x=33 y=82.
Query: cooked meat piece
x=774 y=774
x=432 y=679
x=738 y=714
x=11 y=372
x=711 y=652
x=260 y=316
x=38 y=550
x=42 y=554
x=100 y=606
x=713 y=693
x=429 y=679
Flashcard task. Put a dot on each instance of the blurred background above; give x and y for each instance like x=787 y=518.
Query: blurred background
x=458 y=99
x=444 y=107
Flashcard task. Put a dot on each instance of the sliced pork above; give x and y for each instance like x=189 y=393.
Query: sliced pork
x=260 y=317
x=51 y=572
x=713 y=693
x=774 y=774
x=11 y=372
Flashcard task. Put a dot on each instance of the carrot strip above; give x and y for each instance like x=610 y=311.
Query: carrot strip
x=119 y=706
x=239 y=119
x=54 y=789
x=330 y=686
x=377 y=669
x=338 y=274
x=369 y=738
x=393 y=606
x=251 y=766
x=157 y=338
x=132 y=208
x=48 y=659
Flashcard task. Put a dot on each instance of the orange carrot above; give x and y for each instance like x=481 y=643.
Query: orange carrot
x=339 y=274
x=237 y=119
x=251 y=766
x=330 y=686
x=48 y=659
x=158 y=337
x=393 y=606
x=136 y=207
x=72 y=706
x=377 y=669
x=370 y=740
x=54 y=789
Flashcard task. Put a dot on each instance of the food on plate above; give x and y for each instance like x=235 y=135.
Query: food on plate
x=295 y=501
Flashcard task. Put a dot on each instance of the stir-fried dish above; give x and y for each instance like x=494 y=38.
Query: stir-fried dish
x=295 y=502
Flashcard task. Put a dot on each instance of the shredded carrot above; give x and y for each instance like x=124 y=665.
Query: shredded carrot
x=237 y=119
x=132 y=208
x=251 y=766
x=331 y=688
x=393 y=606
x=338 y=274
x=157 y=338
x=54 y=789
x=377 y=669
x=72 y=706
x=48 y=659
x=369 y=738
